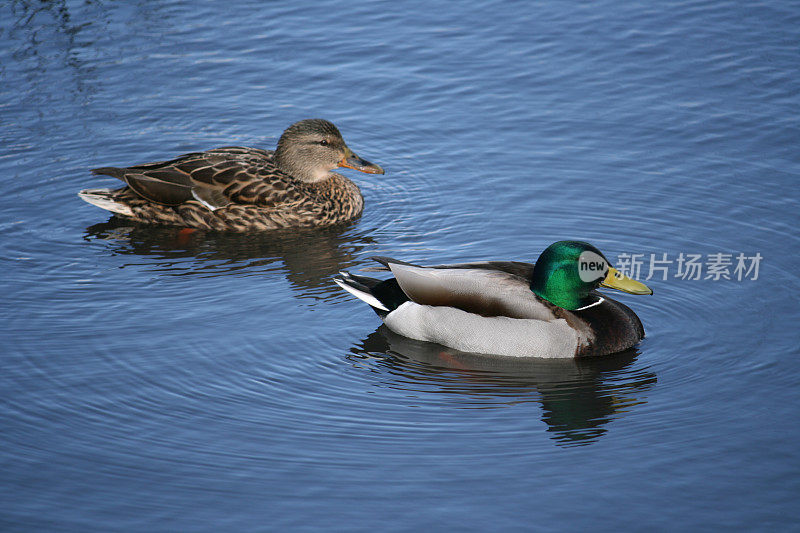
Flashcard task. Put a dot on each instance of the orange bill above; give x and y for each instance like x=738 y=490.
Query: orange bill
x=351 y=160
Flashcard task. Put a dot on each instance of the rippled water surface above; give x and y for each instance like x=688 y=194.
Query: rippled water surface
x=154 y=381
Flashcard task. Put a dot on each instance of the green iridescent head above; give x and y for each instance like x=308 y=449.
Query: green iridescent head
x=568 y=271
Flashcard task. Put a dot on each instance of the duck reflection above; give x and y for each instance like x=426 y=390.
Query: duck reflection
x=578 y=397
x=307 y=257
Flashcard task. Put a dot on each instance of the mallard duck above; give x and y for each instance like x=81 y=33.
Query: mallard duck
x=550 y=309
x=238 y=188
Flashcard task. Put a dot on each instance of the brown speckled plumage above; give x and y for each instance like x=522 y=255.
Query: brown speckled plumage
x=242 y=189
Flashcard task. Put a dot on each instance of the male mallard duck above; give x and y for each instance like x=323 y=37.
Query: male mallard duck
x=550 y=309
x=237 y=188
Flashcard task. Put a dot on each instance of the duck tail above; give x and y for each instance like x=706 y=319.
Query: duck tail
x=114 y=172
x=384 y=264
x=361 y=287
x=105 y=199
x=384 y=296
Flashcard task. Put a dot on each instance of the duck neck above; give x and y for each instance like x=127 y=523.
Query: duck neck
x=305 y=173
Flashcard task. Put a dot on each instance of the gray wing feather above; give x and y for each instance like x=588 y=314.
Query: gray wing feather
x=515 y=268
x=479 y=291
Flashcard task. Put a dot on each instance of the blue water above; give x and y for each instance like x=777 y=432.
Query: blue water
x=158 y=382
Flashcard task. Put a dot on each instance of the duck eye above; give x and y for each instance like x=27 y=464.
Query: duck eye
x=324 y=142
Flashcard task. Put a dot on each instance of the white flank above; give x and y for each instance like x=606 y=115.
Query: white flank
x=99 y=198
x=499 y=335
x=361 y=295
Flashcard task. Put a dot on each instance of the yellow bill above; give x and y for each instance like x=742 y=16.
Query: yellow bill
x=615 y=280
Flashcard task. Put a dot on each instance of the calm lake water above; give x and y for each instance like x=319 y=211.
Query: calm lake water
x=153 y=382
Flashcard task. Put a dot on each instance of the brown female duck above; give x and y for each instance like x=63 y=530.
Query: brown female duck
x=240 y=189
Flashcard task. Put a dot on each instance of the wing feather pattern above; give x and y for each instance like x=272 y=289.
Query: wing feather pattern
x=216 y=178
x=479 y=291
x=516 y=268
